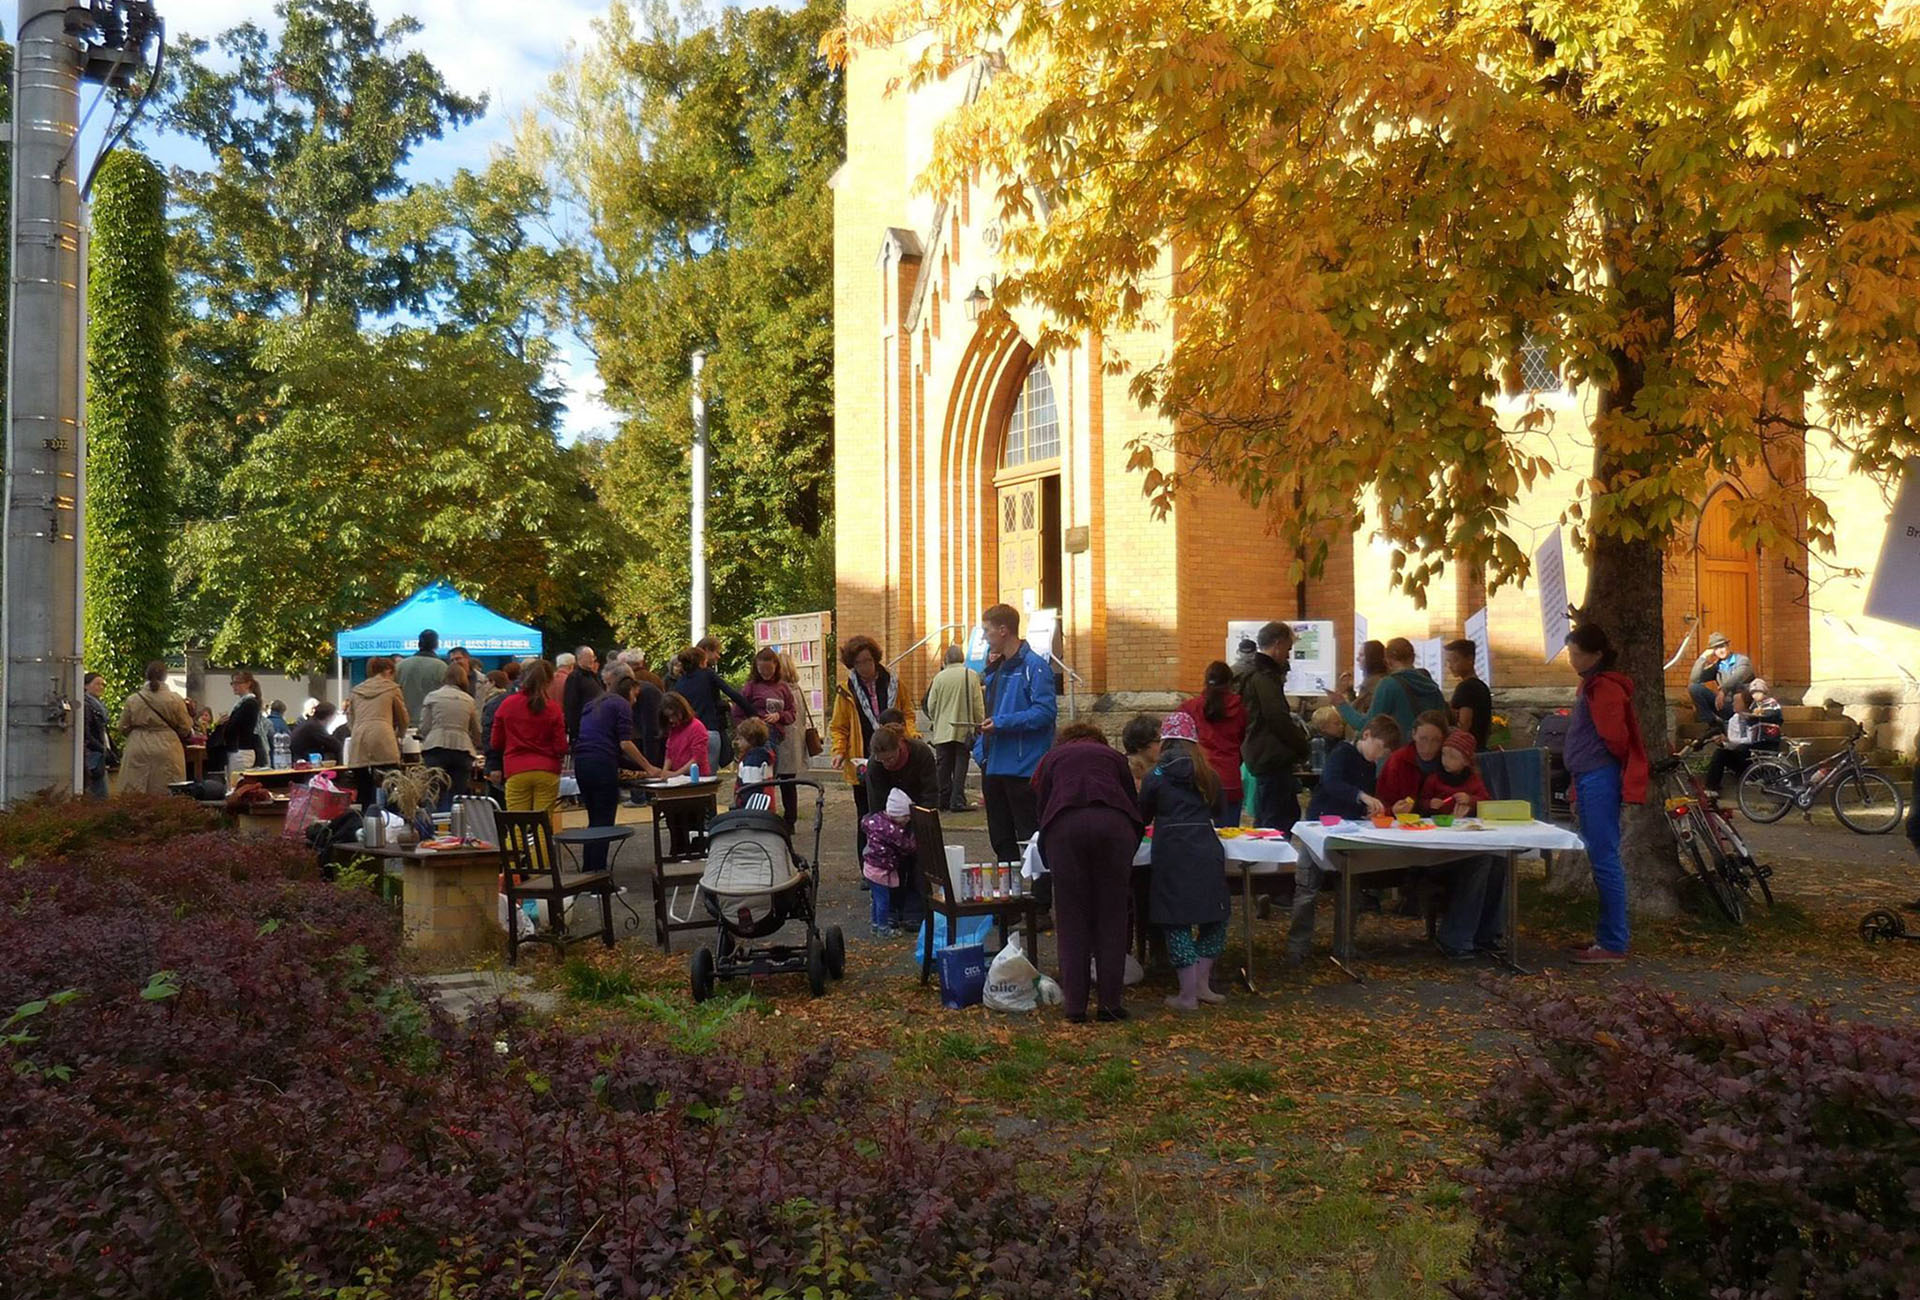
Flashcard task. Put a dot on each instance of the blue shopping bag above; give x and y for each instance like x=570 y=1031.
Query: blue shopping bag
x=972 y=929
x=963 y=975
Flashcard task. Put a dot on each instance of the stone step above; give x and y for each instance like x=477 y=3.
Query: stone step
x=1827 y=728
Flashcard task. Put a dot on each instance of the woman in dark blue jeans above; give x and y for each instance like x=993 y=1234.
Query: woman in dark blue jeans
x=604 y=748
x=1609 y=766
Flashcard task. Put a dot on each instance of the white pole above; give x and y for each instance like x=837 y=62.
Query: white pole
x=39 y=742
x=698 y=541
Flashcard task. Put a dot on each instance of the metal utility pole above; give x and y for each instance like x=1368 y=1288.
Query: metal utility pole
x=59 y=44
x=39 y=627
x=698 y=564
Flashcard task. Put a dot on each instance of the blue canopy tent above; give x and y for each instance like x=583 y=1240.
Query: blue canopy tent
x=459 y=621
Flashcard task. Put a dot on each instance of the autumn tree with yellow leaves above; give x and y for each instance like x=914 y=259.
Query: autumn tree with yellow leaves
x=1708 y=211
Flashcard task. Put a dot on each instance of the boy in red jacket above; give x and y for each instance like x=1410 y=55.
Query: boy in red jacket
x=1456 y=788
x=1408 y=767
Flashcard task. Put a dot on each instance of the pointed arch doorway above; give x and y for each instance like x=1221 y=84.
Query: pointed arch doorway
x=1726 y=576
x=1027 y=498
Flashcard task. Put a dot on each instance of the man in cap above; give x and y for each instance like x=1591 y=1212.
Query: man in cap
x=1717 y=676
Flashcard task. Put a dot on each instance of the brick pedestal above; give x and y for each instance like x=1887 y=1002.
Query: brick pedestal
x=450 y=904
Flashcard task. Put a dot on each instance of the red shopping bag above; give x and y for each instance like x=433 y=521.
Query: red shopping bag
x=307 y=804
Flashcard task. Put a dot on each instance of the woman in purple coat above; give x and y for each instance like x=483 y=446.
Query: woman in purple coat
x=1089 y=831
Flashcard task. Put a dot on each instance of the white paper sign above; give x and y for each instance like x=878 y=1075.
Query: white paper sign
x=1316 y=659
x=1895 y=592
x=1482 y=647
x=977 y=647
x=1040 y=631
x=1238 y=630
x=1430 y=653
x=1550 y=572
x=1359 y=652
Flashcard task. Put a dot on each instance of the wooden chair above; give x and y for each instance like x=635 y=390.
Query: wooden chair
x=943 y=894
x=680 y=818
x=530 y=869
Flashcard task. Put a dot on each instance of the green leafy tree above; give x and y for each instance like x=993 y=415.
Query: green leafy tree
x=129 y=584
x=309 y=132
x=698 y=157
x=1709 y=210
x=363 y=394
x=403 y=455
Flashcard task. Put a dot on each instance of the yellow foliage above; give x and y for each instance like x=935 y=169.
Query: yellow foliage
x=1707 y=209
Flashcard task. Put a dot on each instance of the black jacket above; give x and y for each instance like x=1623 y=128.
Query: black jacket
x=582 y=689
x=648 y=736
x=919 y=778
x=1346 y=777
x=1275 y=740
x=1189 y=864
x=311 y=737
x=98 y=739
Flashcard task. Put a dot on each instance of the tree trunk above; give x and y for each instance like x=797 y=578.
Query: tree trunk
x=1626 y=596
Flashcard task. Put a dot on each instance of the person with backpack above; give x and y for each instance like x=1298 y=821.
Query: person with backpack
x=1274 y=744
x=1403 y=694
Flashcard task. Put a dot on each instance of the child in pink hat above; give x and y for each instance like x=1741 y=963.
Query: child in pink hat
x=1188 y=898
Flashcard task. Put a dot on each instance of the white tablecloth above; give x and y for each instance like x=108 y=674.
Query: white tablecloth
x=1502 y=837
x=1258 y=856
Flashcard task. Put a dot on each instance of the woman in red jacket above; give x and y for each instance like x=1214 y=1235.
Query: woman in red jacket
x=1609 y=766
x=530 y=734
x=1220 y=716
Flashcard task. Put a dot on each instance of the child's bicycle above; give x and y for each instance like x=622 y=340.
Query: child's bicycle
x=1710 y=845
x=1883 y=925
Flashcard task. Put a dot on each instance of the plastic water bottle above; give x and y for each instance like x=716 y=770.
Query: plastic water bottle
x=283 y=752
x=1319 y=758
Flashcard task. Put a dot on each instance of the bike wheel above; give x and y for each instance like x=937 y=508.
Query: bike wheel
x=1867 y=802
x=1766 y=792
x=1709 y=872
x=1730 y=853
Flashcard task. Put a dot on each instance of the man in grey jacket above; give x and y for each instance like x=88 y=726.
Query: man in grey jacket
x=951 y=712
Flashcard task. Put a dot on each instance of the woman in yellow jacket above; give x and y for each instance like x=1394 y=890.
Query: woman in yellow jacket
x=868 y=692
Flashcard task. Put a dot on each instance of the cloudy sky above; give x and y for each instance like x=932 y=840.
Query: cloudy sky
x=504 y=48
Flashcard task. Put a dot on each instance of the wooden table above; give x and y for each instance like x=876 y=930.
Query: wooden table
x=680 y=817
x=450 y=897
x=1270 y=858
x=281 y=778
x=1352 y=851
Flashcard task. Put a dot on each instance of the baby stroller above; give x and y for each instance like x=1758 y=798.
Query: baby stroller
x=754 y=886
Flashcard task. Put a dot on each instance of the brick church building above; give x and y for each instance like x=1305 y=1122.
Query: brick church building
x=971 y=470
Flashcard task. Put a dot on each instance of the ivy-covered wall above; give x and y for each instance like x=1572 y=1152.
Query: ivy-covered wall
x=130 y=491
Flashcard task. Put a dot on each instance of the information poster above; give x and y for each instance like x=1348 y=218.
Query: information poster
x=1359 y=652
x=1482 y=647
x=1550 y=574
x=1241 y=630
x=1316 y=659
x=1430 y=653
x=1895 y=592
x=1043 y=629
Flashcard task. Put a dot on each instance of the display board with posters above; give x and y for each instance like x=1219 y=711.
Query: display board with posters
x=808 y=640
x=1430 y=653
x=1315 y=661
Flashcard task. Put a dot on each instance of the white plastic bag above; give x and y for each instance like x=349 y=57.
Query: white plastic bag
x=1135 y=973
x=1010 y=980
x=1031 y=865
x=1048 y=993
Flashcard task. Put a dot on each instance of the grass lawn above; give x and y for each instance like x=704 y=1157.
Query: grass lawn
x=1306 y=1141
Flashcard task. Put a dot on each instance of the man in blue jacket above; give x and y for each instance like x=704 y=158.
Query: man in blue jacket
x=1017 y=731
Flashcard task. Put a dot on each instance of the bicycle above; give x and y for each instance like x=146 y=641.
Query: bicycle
x=1865 y=801
x=1719 y=856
